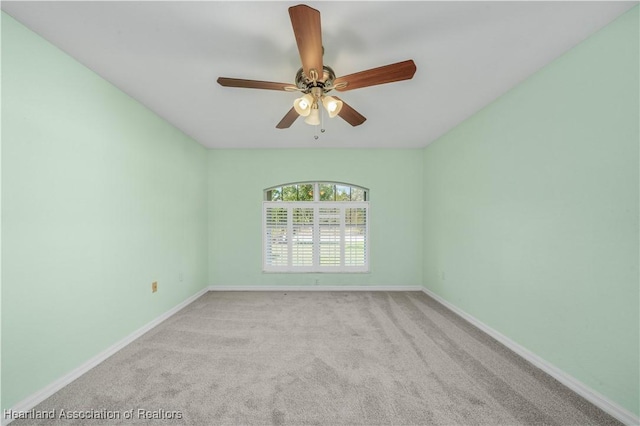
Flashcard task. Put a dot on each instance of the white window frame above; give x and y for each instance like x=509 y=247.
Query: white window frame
x=316 y=267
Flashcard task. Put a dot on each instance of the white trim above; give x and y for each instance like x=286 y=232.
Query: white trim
x=34 y=399
x=597 y=399
x=314 y=288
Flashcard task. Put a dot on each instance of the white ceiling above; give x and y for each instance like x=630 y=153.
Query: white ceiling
x=168 y=55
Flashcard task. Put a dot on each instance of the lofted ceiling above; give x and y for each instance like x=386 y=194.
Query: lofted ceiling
x=168 y=55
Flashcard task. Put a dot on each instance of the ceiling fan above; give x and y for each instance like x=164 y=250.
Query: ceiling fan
x=315 y=80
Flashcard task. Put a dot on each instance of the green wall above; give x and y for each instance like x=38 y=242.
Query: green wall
x=531 y=213
x=100 y=197
x=238 y=177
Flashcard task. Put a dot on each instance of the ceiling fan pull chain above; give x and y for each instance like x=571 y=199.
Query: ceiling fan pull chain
x=315 y=128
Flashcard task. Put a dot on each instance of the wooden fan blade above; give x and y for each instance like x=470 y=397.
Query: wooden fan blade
x=350 y=115
x=252 y=84
x=288 y=119
x=386 y=74
x=307 y=29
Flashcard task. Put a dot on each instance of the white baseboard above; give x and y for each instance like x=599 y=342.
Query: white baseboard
x=314 y=288
x=31 y=401
x=597 y=399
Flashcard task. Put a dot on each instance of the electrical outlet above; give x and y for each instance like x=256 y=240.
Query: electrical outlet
x=180 y=277
x=317 y=281
x=154 y=287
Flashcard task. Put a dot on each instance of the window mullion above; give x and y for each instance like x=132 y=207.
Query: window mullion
x=290 y=236
x=367 y=252
x=342 y=234
x=316 y=237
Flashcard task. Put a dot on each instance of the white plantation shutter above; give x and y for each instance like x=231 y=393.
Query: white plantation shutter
x=355 y=236
x=275 y=230
x=329 y=223
x=302 y=237
x=315 y=236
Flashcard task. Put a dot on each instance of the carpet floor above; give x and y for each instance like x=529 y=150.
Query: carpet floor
x=318 y=358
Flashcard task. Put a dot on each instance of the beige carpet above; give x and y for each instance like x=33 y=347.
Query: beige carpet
x=325 y=358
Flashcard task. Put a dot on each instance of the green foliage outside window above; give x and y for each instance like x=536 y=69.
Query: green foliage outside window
x=327 y=192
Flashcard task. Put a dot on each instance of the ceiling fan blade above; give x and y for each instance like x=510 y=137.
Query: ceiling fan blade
x=307 y=29
x=288 y=119
x=252 y=84
x=386 y=74
x=350 y=115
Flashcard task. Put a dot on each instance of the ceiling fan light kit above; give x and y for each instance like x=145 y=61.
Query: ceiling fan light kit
x=315 y=86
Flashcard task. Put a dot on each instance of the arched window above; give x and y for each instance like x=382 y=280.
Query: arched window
x=316 y=227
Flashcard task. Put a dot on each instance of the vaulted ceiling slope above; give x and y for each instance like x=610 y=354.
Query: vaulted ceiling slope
x=168 y=55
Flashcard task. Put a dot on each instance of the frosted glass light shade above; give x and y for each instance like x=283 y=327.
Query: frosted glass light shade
x=303 y=105
x=332 y=105
x=314 y=117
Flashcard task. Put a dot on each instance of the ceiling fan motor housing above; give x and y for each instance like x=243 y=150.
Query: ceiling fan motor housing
x=305 y=83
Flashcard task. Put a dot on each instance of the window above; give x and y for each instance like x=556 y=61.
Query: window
x=316 y=227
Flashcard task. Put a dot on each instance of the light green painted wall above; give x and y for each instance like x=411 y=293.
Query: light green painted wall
x=100 y=197
x=531 y=213
x=530 y=209
x=237 y=179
